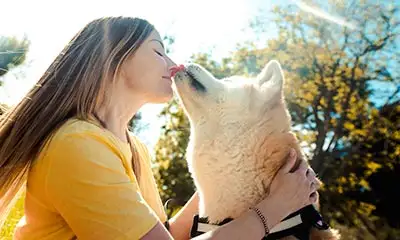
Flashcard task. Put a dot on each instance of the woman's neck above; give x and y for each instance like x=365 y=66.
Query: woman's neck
x=116 y=118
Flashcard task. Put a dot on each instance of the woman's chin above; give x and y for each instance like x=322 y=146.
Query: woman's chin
x=163 y=97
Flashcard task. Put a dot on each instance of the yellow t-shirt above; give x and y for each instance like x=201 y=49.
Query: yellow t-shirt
x=82 y=185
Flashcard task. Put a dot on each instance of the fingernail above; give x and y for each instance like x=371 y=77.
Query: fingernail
x=292 y=152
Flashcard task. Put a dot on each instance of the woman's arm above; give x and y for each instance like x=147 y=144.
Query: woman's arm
x=249 y=225
x=289 y=192
x=181 y=223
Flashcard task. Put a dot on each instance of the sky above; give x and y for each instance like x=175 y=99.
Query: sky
x=196 y=25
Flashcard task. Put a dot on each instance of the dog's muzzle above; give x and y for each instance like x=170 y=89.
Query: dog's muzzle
x=297 y=224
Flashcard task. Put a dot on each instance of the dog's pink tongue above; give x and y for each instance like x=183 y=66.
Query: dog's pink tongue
x=175 y=69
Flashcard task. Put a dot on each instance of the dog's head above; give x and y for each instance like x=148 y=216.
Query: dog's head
x=238 y=103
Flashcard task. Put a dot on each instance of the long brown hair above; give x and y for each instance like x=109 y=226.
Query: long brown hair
x=73 y=86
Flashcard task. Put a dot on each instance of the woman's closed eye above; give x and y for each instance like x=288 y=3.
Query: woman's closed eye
x=159 y=53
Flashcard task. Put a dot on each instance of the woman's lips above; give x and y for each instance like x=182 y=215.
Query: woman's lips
x=175 y=69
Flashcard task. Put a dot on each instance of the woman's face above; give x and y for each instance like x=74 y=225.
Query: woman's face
x=147 y=72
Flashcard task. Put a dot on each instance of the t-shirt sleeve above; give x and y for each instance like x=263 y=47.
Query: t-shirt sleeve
x=90 y=189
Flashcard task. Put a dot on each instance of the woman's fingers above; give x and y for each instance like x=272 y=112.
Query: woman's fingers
x=290 y=162
x=303 y=168
x=314 y=197
x=310 y=174
x=313 y=186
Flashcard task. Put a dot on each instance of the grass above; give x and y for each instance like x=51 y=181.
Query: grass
x=16 y=213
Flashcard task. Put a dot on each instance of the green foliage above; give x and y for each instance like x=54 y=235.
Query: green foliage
x=136 y=124
x=7 y=231
x=370 y=168
x=172 y=174
x=12 y=53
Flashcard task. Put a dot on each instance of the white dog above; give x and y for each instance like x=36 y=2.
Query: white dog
x=240 y=138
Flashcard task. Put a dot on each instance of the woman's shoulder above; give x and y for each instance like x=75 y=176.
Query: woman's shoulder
x=75 y=126
x=79 y=145
x=86 y=131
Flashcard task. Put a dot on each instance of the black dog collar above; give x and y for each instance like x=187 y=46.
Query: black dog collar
x=297 y=224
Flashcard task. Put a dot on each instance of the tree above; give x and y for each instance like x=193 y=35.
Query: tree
x=136 y=124
x=332 y=72
x=172 y=174
x=368 y=181
x=12 y=53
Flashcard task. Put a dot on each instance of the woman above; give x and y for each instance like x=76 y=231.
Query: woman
x=87 y=178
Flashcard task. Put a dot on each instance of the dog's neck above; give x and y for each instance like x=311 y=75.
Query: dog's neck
x=215 y=166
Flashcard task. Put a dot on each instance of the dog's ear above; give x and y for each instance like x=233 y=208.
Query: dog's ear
x=271 y=79
x=271 y=75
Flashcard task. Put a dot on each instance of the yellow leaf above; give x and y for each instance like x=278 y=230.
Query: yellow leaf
x=373 y=166
x=323 y=102
x=397 y=151
x=308 y=96
x=383 y=130
x=366 y=208
x=348 y=125
x=364 y=184
x=374 y=112
x=360 y=132
x=396 y=135
x=342 y=180
x=358 y=72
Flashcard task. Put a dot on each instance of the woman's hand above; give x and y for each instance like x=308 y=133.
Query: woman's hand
x=294 y=190
x=291 y=191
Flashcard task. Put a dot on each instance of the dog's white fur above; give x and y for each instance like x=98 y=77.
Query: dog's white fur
x=240 y=137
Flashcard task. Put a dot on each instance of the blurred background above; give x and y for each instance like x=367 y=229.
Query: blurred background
x=341 y=61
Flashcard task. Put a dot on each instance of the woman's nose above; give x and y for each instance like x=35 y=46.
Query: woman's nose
x=170 y=63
